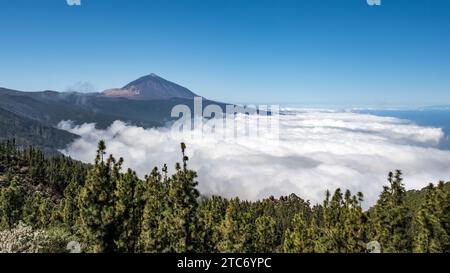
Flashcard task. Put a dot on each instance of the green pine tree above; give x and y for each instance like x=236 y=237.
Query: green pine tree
x=211 y=213
x=70 y=211
x=391 y=219
x=11 y=204
x=265 y=235
x=180 y=216
x=431 y=234
x=128 y=212
x=236 y=229
x=152 y=236
x=97 y=204
x=301 y=237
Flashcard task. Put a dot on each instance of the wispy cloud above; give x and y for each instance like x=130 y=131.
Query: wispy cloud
x=81 y=87
x=317 y=150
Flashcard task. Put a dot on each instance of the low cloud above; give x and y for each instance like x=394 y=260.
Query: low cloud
x=317 y=150
x=81 y=87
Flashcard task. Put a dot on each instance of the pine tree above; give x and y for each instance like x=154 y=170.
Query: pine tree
x=180 y=217
x=265 y=235
x=332 y=230
x=97 y=204
x=11 y=204
x=128 y=212
x=70 y=211
x=354 y=223
x=343 y=227
x=170 y=214
x=152 y=237
x=299 y=238
x=45 y=209
x=431 y=234
x=31 y=213
x=36 y=166
x=211 y=213
x=444 y=195
x=236 y=229
x=391 y=219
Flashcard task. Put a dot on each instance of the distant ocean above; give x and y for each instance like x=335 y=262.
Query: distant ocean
x=433 y=118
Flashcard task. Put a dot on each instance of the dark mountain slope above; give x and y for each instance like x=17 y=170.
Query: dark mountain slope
x=29 y=132
x=52 y=107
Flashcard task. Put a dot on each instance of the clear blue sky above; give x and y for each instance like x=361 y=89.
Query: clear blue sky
x=254 y=51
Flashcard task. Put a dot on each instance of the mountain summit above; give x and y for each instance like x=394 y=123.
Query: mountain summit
x=150 y=87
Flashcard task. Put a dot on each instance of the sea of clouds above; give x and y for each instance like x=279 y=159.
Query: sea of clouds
x=316 y=150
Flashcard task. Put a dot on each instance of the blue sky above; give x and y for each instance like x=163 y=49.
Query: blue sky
x=309 y=52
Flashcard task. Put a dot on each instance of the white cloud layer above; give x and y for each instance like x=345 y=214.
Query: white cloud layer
x=317 y=150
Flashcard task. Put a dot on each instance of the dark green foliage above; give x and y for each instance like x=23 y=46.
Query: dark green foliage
x=265 y=235
x=342 y=229
x=128 y=208
x=97 y=203
x=236 y=228
x=211 y=213
x=11 y=199
x=153 y=237
x=70 y=209
x=111 y=210
x=432 y=221
x=181 y=211
x=302 y=236
x=391 y=220
x=170 y=210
